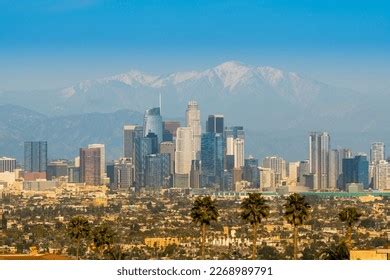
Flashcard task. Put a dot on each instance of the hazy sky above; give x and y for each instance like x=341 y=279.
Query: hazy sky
x=49 y=43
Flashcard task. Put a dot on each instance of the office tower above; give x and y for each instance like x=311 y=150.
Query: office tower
x=381 y=178
x=142 y=148
x=110 y=172
x=251 y=172
x=278 y=166
x=212 y=158
x=193 y=121
x=157 y=173
x=238 y=151
x=184 y=155
x=303 y=170
x=35 y=156
x=91 y=166
x=195 y=179
x=334 y=169
x=377 y=152
x=123 y=174
x=169 y=130
x=130 y=132
x=355 y=170
x=155 y=144
x=103 y=174
x=319 y=146
x=153 y=123
x=57 y=169
x=7 y=164
x=235 y=144
x=215 y=124
x=168 y=147
x=73 y=174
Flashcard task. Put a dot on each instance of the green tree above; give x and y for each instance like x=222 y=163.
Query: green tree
x=203 y=212
x=78 y=230
x=253 y=210
x=103 y=238
x=350 y=216
x=296 y=212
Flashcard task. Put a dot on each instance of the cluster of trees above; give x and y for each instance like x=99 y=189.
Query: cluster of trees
x=100 y=238
x=255 y=208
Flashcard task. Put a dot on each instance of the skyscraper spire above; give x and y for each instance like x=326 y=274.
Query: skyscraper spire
x=160 y=103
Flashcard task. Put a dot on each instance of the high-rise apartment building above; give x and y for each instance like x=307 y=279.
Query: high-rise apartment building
x=153 y=123
x=381 y=176
x=238 y=152
x=277 y=165
x=377 y=152
x=193 y=121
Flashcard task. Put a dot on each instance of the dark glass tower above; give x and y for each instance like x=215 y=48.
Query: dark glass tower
x=35 y=156
x=355 y=170
x=212 y=158
x=215 y=124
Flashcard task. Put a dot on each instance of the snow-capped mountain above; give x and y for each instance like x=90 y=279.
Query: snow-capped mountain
x=277 y=107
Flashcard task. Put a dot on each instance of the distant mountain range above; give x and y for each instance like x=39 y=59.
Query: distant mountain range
x=277 y=108
x=65 y=134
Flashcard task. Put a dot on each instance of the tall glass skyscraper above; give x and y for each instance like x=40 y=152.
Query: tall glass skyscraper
x=212 y=158
x=143 y=148
x=215 y=124
x=153 y=123
x=355 y=170
x=35 y=156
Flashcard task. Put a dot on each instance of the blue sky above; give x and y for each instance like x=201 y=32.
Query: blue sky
x=49 y=43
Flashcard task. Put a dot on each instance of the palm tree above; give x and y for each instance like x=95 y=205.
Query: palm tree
x=296 y=212
x=254 y=209
x=336 y=252
x=78 y=229
x=204 y=211
x=103 y=236
x=350 y=216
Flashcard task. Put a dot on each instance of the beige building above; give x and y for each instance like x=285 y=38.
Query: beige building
x=184 y=155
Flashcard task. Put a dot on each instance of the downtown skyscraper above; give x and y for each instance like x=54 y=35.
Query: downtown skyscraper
x=193 y=121
x=153 y=123
x=319 y=147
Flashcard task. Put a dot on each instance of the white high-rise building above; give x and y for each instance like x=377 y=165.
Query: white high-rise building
x=184 y=155
x=238 y=152
x=382 y=176
x=293 y=172
x=193 y=121
x=377 y=152
x=102 y=159
x=278 y=166
x=319 y=146
x=334 y=168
